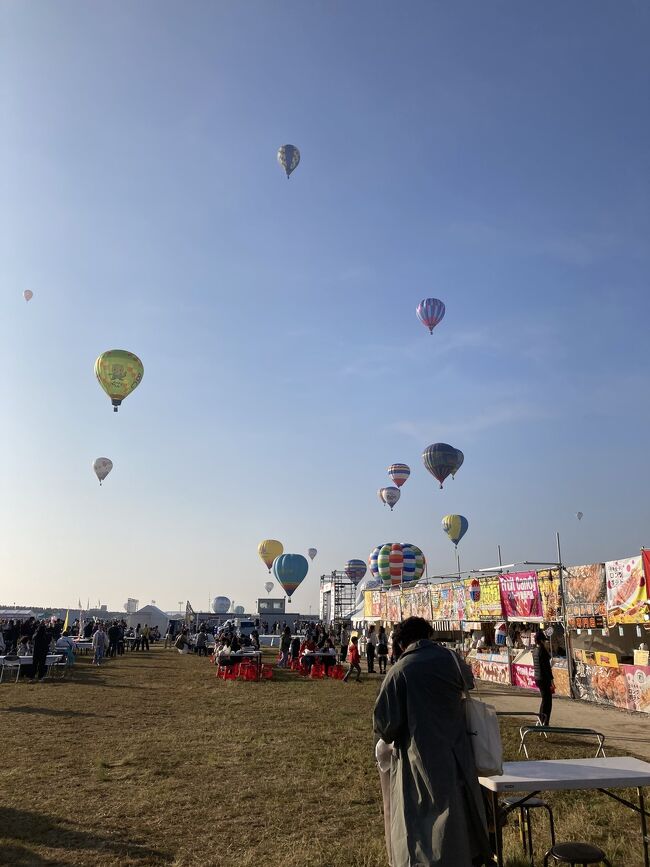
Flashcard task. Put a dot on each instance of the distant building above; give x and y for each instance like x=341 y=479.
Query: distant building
x=131 y=606
x=270 y=607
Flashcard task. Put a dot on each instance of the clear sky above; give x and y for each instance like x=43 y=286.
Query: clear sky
x=494 y=155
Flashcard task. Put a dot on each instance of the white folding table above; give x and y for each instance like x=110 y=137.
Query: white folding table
x=51 y=660
x=554 y=775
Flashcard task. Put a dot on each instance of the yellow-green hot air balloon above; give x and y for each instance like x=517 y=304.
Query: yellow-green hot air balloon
x=268 y=550
x=118 y=372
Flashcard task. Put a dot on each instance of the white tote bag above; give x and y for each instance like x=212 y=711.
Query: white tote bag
x=483 y=729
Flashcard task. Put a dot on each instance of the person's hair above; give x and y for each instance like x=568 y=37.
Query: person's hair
x=410 y=630
x=371 y=628
x=354 y=639
x=540 y=636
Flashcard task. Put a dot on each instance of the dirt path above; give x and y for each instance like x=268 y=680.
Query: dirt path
x=625 y=730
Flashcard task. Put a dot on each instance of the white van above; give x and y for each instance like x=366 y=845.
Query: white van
x=245 y=628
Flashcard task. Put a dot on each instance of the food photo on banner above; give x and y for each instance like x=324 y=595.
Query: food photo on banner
x=627 y=591
x=585 y=596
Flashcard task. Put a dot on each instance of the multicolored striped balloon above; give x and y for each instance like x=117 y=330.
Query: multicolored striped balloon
x=383 y=564
x=430 y=312
x=289 y=571
x=372 y=560
x=408 y=571
x=355 y=570
x=396 y=563
x=399 y=473
x=420 y=560
x=455 y=526
x=441 y=460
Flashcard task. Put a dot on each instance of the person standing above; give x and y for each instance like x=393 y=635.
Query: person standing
x=543 y=676
x=345 y=640
x=113 y=637
x=99 y=644
x=41 y=642
x=437 y=817
x=144 y=637
x=371 y=647
x=354 y=659
x=285 y=647
x=382 y=650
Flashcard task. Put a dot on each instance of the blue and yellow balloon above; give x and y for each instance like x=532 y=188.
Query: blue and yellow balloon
x=455 y=526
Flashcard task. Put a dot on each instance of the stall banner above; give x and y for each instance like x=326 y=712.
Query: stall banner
x=443 y=601
x=561 y=677
x=367 y=603
x=520 y=596
x=492 y=671
x=524 y=676
x=489 y=605
x=472 y=598
x=378 y=604
x=548 y=581
x=421 y=603
x=601 y=685
x=394 y=605
x=585 y=595
x=627 y=591
x=596 y=657
x=638 y=687
x=459 y=601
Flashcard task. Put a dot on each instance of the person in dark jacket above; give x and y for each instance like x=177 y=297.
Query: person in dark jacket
x=543 y=676
x=113 y=638
x=41 y=647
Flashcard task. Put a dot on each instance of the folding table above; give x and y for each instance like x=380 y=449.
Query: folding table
x=554 y=775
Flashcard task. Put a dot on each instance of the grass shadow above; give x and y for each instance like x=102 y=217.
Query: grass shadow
x=46 y=711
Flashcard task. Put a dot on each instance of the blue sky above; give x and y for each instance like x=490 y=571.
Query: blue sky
x=491 y=155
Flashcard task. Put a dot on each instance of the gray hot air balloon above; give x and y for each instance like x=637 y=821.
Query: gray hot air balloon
x=288 y=157
x=102 y=467
x=268 y=586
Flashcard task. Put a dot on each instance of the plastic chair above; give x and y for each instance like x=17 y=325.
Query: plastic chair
x=576 y=853
x=317 y=671
x=267 y=672
x=525 y=824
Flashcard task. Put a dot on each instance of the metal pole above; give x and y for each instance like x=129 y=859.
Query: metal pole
x=499 y=552
x=458 y=562
x=567 y=635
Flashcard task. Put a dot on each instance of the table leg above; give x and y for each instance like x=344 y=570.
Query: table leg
x=644 y=828
x=498 y=839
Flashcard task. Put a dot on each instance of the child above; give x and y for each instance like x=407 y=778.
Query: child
x=354 y=659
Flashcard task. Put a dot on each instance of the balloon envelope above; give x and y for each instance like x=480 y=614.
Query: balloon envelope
x=118 y=372
x=399 y=473
x=430 y=312
x=312 y=553
x=289 y=571
x=420 y=562
x=455 y=526
x=102 y=467
x=579 y=516
x=268 y=550
x=221 y=604
x=460 y=457
x=288 y=157
x=441 y=460
x=372 y=561
x=239 y=609
x=268 y=586
x=391 y=496
x=355 y=570
x=28 y=294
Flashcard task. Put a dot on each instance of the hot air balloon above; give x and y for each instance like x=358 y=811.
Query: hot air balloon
x=221 y=605
x=390 y=496
x=441 y=460
x=460 y=457
x=268 y=550
x=579 y=516
x=380 y=494
x=288 y=157
x=28 y=294
x=239 y=609
x=455 y=526
x=355 y=570
x=268 y=586
x=102 y=467
x=311 y=552
x=289 y=571
x=420 y=561
x=396 y=563
x=383 y=564
x=119 y=372
x=399 y=473
x=430 y=312
x=372 y=561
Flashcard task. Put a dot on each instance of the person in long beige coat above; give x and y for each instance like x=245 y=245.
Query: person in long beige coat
x=437 y=818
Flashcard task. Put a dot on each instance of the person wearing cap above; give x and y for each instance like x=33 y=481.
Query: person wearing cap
x=543 y=676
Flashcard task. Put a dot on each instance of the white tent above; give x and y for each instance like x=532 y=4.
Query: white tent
x=151 y=616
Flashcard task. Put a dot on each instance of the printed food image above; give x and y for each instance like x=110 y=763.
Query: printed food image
x=586 y=583
x=627 y=586
x=611 y=685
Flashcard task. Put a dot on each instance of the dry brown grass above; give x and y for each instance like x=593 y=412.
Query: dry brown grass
x=152 y=761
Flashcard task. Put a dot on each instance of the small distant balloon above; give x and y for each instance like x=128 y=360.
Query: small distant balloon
x=102 y=467
x=430 y=312
x=399 y=473
x=380 y=494
x=355 y=570
x=288 y=157
x=455 y=526
x=579 y=516
x=268 y=586
x=28 y=294
x=221 y=604
x=390 y=496
x=312 y=553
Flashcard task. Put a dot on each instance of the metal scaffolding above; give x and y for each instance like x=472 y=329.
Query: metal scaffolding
x=337 y=597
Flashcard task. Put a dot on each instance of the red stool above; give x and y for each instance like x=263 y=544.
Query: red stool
x=267 y=672
x=317 y=671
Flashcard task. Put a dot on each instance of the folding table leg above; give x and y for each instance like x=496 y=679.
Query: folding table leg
x=644 y=828
x=498 y=839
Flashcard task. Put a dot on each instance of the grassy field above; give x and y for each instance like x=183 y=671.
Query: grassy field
x=150 y=760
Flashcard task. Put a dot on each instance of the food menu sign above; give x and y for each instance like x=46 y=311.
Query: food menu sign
x=548 y=581
x=489 y=605
x=520 y=596
x=421 y=603
x=442 y=602
x=627 y=591
x=378 y=604
x=394 y=607
x=584 y=596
